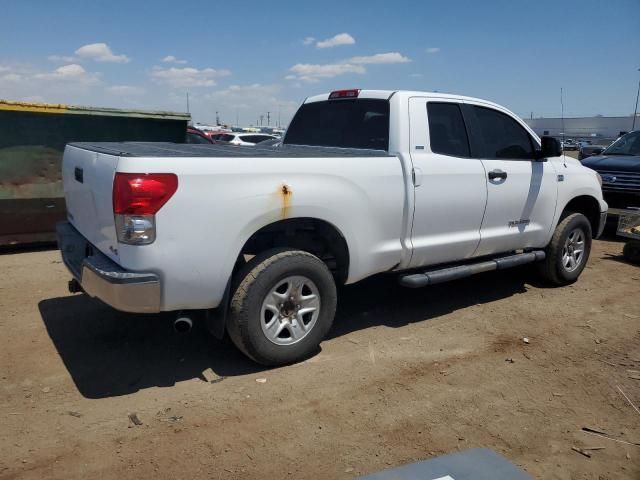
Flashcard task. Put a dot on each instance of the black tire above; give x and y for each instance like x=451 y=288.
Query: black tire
x=553 y=269
x=254 y=282
x=631 y=252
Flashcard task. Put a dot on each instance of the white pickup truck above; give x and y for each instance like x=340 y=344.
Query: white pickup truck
x=430 y=186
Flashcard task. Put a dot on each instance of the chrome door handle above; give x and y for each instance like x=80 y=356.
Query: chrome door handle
x=493 y=174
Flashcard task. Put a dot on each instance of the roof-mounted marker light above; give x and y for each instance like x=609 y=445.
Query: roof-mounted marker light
x=336 y=94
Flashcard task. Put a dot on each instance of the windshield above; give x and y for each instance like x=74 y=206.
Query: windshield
x=360 y=123
x=628 y=144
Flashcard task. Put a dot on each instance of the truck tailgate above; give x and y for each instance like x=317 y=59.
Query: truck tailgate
x=88 y=183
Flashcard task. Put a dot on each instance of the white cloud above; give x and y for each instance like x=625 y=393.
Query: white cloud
x=307 y=72
x=100 y=52
x=308 y=40
x=11 y=74
x=66 y=84
x=339 y=39
x=125 y=90
x=11 y=77
x=15 y=74
x=187 y=76
x=433 y=50
x=173 y=59
x=61 y=59
x=69 y=73
x=312 y=72
x=246 y=102
x=380 y=58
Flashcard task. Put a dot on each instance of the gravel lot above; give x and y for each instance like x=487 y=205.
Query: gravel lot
x=406 y=375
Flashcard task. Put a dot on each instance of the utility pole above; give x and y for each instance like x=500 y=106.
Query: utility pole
x=635 y=112
x=261 y=118
x=268 y=119
x=217 y=119
x=188 y=102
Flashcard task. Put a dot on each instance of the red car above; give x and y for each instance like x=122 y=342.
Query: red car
x=196 y=136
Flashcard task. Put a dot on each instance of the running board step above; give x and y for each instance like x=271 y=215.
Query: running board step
x=416 y=280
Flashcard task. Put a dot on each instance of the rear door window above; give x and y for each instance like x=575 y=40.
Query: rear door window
x=359 y=123
x=501 y=137
x=447 y=131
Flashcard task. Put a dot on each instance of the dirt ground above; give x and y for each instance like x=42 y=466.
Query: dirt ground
x=405 y=375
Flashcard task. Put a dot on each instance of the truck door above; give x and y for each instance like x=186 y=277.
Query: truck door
x=521 y=192
x=449 y=185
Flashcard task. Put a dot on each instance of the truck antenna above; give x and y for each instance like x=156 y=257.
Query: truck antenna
x=562 y=111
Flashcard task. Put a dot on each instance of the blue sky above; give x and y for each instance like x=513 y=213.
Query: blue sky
x=245 y=58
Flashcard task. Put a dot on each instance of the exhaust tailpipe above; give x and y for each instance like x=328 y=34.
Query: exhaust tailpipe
x=182 y=324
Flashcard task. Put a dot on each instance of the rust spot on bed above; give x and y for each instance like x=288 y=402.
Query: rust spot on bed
x=285 y=193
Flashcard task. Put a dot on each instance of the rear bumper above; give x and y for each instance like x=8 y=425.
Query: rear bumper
x=104 y=279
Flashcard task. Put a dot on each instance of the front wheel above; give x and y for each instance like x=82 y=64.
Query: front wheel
x=568 y=250
x=283 y=306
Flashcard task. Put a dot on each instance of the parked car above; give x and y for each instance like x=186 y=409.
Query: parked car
x=619 y=167
x=215 y=137
x=211 y=134
x=195 y=135
x=243 y=138
x=569 y=144
x=425 y=186
x=271 y=142
x=589 y=150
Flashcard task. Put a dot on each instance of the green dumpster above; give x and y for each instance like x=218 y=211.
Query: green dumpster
x=32 y=141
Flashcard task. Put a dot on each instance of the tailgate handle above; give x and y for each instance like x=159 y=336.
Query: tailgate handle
x=79 y=174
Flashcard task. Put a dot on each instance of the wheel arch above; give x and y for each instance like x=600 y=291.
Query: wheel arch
x=588 y=206
x=313 y=235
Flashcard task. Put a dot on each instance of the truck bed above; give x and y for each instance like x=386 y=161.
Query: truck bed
x=166 y=149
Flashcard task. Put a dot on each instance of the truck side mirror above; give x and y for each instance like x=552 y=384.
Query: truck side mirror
x=550 y=147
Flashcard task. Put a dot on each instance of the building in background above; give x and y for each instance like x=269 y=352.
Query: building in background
x=599 y=130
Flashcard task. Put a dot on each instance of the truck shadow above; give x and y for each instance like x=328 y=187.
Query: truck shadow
x=110 y=353
x=381 y=301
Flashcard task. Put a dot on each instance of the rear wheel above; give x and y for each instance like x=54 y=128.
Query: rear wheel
x=282 y=307
x=568 y=250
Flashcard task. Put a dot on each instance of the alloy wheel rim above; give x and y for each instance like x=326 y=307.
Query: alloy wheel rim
x=573 y=250
x=290 y=310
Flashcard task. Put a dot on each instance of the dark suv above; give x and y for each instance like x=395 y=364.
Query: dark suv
x=619 y=167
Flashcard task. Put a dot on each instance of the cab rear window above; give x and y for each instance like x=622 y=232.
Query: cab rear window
x=360 y=123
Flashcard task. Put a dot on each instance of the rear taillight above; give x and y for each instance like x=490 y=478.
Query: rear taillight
x=137 y=197
x=142 y=193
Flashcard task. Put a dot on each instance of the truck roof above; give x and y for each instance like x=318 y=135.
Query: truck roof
x=387 y=94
